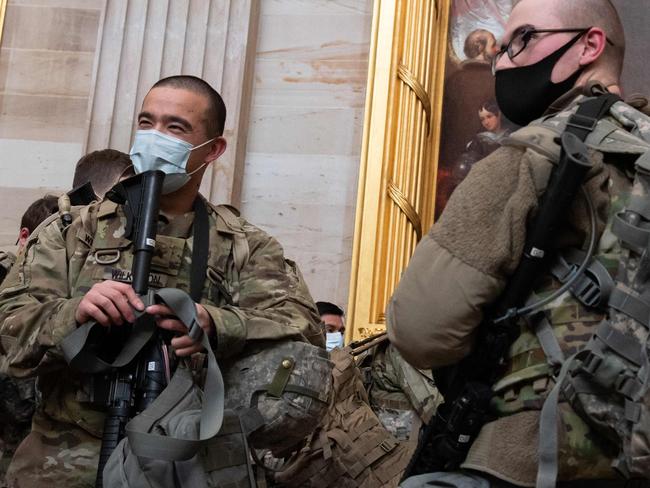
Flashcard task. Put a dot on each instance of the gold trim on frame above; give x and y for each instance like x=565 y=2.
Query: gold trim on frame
x=3 y=12
x=396 y=198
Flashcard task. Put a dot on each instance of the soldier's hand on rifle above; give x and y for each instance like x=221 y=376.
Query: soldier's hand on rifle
x=109 y=303
x=184 y=345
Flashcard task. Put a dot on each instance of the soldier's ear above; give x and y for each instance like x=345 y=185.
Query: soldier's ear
x=217 y=148
x=23 y=235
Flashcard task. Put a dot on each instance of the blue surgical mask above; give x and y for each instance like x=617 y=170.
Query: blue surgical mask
x=153 y=150
x=334 y=340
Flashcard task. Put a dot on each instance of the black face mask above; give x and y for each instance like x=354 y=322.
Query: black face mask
x=524 y=94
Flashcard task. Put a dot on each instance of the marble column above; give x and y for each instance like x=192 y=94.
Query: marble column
x=143 y=41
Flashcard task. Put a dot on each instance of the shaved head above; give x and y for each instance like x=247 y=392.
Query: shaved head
x=597 y=13
x=575 y=14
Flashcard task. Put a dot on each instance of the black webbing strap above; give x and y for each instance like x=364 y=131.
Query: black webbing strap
x=584 y=121
x=200 y=249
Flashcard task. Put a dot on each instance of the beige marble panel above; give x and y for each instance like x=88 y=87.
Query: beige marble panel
x=301 y=171
x=75 y=4
x=305 y=130
x=313 y=178
x=60 y=29
x=42 y=71
x=32 y=164
x=317 y=7
x=60 y=119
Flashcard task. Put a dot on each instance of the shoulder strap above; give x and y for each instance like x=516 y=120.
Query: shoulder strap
x=200 y=249
x=589 y=113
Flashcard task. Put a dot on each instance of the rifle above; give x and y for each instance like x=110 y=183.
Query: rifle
x=133 y=388
x=467 y=387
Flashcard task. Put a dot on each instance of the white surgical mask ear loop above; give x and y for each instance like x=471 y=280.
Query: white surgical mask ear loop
x=204 y=164
x=201 y=145
x=197 y=169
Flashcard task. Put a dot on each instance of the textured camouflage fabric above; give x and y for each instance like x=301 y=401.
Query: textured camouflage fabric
x=17 y=398
x=262 y=298
x=350 y=447
x=584 y=454
x=608 y=379
x=7 y=260
x=401 y=395
x=17 y=404
x=288 y=384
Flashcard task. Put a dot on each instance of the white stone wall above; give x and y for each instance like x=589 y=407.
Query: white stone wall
x=306 y=122
x=46 y=61
x=302 y=163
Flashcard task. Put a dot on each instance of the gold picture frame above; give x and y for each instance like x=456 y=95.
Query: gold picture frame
x=3 y=12
x=426 y=57
x=396 y=196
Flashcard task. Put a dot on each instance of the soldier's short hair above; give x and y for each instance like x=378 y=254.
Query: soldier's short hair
x=38 y=211
x=327 y=308
x=103 y=169
x=216 y=116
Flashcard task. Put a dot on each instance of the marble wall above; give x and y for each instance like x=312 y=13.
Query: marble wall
x=299 y=179
x=306 y=123
x=46 y=62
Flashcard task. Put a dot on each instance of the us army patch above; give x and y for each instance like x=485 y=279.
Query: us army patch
x=156 y=280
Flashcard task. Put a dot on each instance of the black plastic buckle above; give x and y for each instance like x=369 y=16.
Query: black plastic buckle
x=592 y=363
x=587 y=291
x=582 y=122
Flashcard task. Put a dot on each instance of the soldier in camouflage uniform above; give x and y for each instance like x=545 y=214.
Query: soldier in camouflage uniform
x=70 y=275
x=463 y=264
x=7 y=260
x=18 y=396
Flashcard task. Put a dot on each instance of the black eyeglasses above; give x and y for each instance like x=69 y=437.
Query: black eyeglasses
x=524 y=35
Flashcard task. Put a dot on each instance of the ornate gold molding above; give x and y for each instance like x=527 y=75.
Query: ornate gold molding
x=412 y=82
x=3 y=12
x=405 y=206
x=399 y=155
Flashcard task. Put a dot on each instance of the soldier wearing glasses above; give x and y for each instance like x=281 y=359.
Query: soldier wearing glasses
x=554 y=53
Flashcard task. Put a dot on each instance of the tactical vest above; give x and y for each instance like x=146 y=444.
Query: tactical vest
x=574 y=323
x=350 y=447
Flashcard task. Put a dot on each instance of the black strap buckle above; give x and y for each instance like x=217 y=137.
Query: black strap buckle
x=582 y=122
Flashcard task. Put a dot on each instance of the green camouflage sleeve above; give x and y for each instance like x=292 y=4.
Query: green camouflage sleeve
x=35 y=309
x=273 y=301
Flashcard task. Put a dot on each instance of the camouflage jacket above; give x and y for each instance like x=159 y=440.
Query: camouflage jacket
x=7 y=260
x=255 y=294
x=473 y=249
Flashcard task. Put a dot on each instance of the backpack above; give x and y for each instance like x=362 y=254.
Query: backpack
x=607 y=381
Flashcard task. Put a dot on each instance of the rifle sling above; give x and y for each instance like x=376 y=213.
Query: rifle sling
x=80 y=347
x=200 y=249
x=140 y=429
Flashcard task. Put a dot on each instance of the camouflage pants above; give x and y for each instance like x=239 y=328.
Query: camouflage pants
x=466 y=479
x=54 y=454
